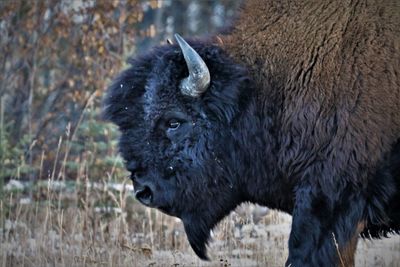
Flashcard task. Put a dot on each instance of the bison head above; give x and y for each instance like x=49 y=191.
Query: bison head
x=177 y=108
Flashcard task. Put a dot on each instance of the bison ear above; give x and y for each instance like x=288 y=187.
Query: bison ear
x=122 y=103
x=229 y=96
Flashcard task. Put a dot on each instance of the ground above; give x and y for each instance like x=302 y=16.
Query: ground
x=100 y=224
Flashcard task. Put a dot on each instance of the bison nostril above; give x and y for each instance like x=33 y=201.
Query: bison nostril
x=144 y=195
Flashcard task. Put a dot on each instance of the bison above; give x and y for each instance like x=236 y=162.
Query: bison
x=295 y=107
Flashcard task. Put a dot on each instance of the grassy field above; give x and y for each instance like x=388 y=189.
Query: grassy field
x=57 y=223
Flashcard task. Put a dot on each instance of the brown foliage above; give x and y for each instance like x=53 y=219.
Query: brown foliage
x=54 y=55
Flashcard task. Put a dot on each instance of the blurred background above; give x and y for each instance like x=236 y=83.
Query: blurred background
x=56 y=60
x=65 y=198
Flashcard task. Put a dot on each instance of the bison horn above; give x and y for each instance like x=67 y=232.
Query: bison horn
x=199 y=77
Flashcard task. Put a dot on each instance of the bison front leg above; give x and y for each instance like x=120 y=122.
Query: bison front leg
x=325 y=227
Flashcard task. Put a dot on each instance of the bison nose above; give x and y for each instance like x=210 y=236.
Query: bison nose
x=135 y=169
x=143 y=193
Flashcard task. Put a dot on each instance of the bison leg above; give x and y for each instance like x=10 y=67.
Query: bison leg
x=325 y=228
x=347 y=252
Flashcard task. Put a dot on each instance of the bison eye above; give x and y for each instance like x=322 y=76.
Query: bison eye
x=173 y=124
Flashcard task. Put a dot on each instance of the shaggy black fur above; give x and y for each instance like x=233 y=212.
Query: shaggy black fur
x=383 y=217
x=230 y=148
x=141 y=101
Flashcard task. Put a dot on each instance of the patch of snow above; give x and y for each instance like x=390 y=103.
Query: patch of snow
x=15 y=185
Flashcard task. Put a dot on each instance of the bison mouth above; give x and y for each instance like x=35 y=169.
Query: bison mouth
x=145 y=196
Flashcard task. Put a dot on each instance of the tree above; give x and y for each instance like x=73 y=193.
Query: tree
x=57 y=58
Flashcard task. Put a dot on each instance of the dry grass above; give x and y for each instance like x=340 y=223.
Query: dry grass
x=100 y=224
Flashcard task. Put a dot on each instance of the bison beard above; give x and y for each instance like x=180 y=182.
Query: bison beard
x=198 y=233
x=296 y=115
